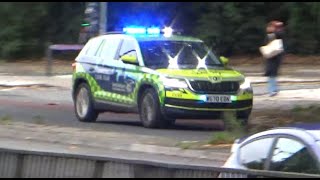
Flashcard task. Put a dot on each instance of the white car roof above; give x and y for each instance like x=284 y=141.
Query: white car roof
x=316 y=134
x=309 y=136
x=151 y=38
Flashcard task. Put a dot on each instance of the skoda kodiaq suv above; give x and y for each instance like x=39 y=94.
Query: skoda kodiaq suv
x=160 y=77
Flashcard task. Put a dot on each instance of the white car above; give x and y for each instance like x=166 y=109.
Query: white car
x=287 y=149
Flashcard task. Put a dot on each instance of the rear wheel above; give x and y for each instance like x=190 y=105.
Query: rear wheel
x=84 y=107
x=150 y=112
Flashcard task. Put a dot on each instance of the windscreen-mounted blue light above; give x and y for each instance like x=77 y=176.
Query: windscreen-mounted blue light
x=167 y=31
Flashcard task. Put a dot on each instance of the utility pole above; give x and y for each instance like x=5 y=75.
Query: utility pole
x=103 y=26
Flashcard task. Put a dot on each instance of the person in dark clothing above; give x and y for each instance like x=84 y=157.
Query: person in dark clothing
x=274 y=31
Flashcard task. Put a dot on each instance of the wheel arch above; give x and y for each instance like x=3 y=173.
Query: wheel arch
x=77 y=82
x=142 y=89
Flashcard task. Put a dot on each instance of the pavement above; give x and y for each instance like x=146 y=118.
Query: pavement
x=12 y=74
x=56 y=81
x=66 y=80
x=70 y=140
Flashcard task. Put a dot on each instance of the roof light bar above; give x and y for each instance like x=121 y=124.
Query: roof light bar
x=138 y=30
x=153 y=30
x=134 y=30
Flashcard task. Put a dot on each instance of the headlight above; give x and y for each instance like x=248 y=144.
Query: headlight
x=175 y=83
x=246 y=84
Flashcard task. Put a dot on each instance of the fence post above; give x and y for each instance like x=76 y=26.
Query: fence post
x=49 y=60
x=19 y=168
x=98 y=169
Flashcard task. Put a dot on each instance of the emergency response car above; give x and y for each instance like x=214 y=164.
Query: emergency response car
x=160 y=75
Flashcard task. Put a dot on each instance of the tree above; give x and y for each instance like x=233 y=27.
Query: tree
x=232 y=27
x=303 y=27
x=121 y=14
x=229 y=27
x=30 y=26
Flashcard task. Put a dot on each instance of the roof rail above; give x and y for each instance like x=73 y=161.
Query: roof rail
x=106 y=33
x=288 y=127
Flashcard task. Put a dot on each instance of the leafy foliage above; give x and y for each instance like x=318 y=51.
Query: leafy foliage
x=28 y=27
x=230 y=28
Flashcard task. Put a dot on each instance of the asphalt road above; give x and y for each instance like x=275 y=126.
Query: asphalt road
x=53 y=106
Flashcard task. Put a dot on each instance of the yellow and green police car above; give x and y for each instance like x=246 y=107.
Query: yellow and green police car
x=160 y=75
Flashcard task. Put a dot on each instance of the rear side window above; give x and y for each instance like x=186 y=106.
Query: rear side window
x=290 y=155
x=93 y=47
x=254 y=154
x=109 y=48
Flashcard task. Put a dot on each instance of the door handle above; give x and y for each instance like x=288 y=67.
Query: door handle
x=91 y=69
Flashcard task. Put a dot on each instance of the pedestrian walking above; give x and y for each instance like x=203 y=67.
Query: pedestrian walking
x=273 y=52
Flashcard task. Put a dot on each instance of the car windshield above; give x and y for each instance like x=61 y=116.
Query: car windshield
x=177 y=55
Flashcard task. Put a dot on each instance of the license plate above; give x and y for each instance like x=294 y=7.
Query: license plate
x=219 y=99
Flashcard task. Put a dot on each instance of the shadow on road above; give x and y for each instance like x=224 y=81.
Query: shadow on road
x=190 y=125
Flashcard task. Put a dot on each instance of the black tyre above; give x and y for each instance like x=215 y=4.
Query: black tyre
x=83 y=104
x=150 y=112
x=167 y=122
x=243 y=116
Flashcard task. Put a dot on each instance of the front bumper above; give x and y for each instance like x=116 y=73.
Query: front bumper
x=204 y=106
x=181 y=108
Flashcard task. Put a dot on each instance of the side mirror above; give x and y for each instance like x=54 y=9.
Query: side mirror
x=224 y=60
x=130 y=59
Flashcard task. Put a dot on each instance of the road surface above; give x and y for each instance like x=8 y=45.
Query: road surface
x=53 y=106
x=45 y=115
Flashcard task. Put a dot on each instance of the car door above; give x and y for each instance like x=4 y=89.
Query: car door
x=293 y=155
x=105 y=69
x=128 y=74
x=116 y=78
x=251 y=155
x=254 y=154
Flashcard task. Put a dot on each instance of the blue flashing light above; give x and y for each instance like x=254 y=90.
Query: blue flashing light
x=137 y=30
x=153 y=30
x=134 y=30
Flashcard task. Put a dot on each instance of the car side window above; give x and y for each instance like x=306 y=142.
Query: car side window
x=254 y=154
x=109 y=48
x=128 y=48
x=290 y=155
x=94 y=45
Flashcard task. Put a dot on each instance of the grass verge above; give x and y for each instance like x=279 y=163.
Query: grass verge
x=38 y=119
x=264 y=121
x=5 y=120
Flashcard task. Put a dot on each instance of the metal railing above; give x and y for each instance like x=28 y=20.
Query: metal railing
x=59 y=47
x=30 y=164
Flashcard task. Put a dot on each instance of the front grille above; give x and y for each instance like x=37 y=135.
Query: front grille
x=227 y=87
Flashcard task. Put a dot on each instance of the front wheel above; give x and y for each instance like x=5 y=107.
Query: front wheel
x=84 y=107
x=243 y=116
x=150 y=112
